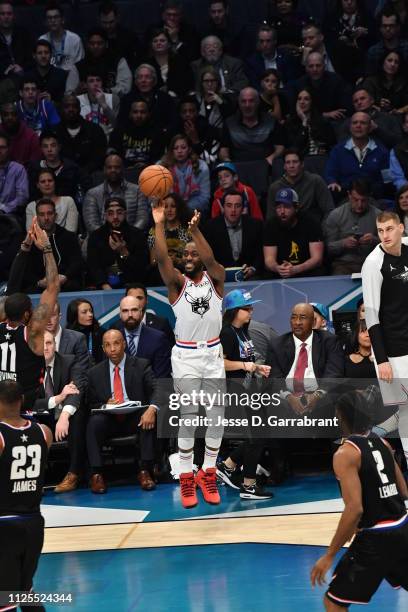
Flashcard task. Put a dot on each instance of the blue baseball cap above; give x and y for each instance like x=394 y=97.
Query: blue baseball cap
x=227 y=166
x=238 y=298
x=287 y=196
x=321 y=309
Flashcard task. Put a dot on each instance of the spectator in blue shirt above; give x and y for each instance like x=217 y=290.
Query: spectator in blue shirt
x=34 y=109
x=13 y=181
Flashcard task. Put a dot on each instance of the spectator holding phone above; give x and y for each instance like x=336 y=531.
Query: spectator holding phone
x=350 y=230
x=117 y=252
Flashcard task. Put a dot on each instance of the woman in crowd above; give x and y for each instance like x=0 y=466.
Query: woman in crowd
x=360 y=362
x=191 y=175
x=80 y=317
x=389 y=87
x=177 y=216
x=173 y=71
x=401 y=207
x=240 y=368
x=214 y=105
x=307 y=130
x=65 y=207
x=272 y=101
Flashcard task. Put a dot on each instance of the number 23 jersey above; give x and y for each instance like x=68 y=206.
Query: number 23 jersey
x=22 y=468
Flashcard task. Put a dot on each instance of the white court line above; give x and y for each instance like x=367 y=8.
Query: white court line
x=75 y=516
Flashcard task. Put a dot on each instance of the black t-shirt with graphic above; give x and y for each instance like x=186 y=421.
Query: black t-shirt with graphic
x=237 y=346
x=292 y=242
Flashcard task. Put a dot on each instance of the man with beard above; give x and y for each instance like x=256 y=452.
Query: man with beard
x=141 y=340
x=293 y=244
x=197 y=359
x=117 y=252
x=114 y=185
x=230 y=69
x=138 y=140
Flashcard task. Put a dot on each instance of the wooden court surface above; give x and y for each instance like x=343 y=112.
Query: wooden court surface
x=308 y=529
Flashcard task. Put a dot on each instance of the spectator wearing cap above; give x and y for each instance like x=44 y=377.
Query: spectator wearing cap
x=321 y=316
x=114 y=184
x=249 y=135
x=350 y=230
x=228 y=179
x=234 y=237
x=13 y=181
x=314 y=196
x=293 y=243
x=117 y=252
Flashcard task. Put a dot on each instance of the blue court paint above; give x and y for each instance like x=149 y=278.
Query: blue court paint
x=163 y=503
x=218 y=578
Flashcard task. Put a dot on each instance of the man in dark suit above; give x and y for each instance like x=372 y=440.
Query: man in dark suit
x=68 y=341
x=231 y=69
x=305 y=361
x=61 y=395
x=139 y=291
x=267 y=56
x=118 y=379
x=235 y=237
x=143 y=341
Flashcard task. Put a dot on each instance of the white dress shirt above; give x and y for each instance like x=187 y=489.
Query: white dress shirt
x=57 y=338
x=52 y=404
x=310 y=382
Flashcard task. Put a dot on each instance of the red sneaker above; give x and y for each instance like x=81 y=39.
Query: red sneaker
x=207 y=481
x=188 y=493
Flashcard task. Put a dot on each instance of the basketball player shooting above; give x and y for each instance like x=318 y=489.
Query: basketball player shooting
x=197 y=359
x=373 y=489
x=22 y=336
x=385 y=291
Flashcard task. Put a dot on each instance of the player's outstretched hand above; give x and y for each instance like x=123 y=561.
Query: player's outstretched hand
x=385 y=372
x=195 y=220
x=158 y=212
x=319 y=570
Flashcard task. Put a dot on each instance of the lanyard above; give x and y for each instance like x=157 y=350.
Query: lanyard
x=58 y=55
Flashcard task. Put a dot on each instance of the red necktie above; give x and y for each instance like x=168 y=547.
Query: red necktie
x=300 y=369
x=117 y=386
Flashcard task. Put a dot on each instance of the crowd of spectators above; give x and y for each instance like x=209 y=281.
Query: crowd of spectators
x=294 y=128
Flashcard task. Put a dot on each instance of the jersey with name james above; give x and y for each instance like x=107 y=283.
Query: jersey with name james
x=22 y=468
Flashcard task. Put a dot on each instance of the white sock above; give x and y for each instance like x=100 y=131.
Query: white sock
x=403 y=428
x=186 y=456
x=212 y=446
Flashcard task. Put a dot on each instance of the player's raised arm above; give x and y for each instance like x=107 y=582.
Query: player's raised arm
x=172 y=277
x=42 y=312
x=214 y=269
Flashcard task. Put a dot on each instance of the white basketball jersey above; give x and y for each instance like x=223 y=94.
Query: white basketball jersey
x=198 y=311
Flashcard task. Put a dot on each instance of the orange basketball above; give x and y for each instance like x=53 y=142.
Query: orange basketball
x=155 y=181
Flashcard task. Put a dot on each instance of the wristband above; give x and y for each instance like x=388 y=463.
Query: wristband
x=47 y=249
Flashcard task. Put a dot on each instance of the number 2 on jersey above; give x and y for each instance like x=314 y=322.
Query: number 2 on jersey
x=19 y=469
x=380 y=466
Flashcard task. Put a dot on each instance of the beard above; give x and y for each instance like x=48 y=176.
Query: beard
x=131 y=324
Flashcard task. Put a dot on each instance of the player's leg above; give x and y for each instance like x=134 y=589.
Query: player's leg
x=330 y=606
x=34 y=543
x=11 y=549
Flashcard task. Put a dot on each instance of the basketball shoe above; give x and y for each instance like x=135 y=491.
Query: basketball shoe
x=207 y=481
x=188 y=493
x=254 y=491
x=226 y=474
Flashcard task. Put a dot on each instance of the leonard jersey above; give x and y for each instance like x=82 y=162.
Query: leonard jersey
x=385 y=292
x=22 y=468
x=198 y=311
x=383 y=506
x=18 y=362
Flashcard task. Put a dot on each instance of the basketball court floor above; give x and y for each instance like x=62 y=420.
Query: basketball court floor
x=131 y=550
